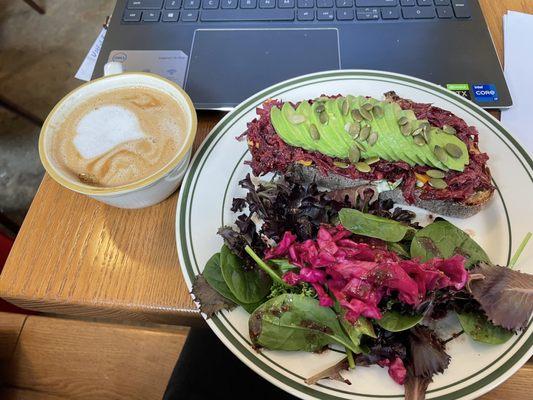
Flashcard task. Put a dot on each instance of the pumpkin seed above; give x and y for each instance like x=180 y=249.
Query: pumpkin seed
x=372 y=160
x=450 y=130
x=345 y=107
x=419 y=140
x=424 y=125
x=322 y=98
x=417 y=131
x=438 y=183
x=441 y=154
x=406 y=129
x=364 y=133
x=296 y=119
x=427 y=135
x=367 y=106
x=354 y=155
x=435 y=173
x=453 y=150
x=355 y=128
x=360 y=146
x=372 y=138
x=378 y=112
x=323 y=118
x=313 y=132
x=341 y=164
x=320 y=108
x=356 y=115
x=363 y=167
x=366 y=114
x=403 y=121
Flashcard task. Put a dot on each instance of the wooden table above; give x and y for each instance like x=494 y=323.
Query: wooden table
x=75 y=256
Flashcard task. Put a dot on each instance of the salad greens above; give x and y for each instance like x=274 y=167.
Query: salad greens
x=478 y=327
x=394 y=321
x=442 y=239
x=374 y=226
x=248 y=286
x=213 y=276
x=321 y=285
x=295 y=322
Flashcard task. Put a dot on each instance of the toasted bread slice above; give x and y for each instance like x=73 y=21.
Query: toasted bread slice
x=450 y=208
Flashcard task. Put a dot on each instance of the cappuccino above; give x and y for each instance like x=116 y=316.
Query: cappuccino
x=119 y=136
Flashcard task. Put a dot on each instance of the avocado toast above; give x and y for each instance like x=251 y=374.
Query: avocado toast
x=413 y=153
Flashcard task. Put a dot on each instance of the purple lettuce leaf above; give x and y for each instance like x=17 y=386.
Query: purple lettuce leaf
x=505 y=295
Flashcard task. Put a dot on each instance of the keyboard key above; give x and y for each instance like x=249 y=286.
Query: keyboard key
x=306 y=3
x=247 y=15
x=324 y=15
x=324 y=3
x=151 y=16
x=145 y=4
x=376 y=3
x=229 y=3
x=131 y=16
x=345 y=15
x=425 y=2
x=210 y=4
x=406 y=3
x=367 y=13
x=390 y=13
x=267 y=3
x=172 y=4
x=344 y=3
x=444 y=12
x=461 y=8
x=418 y=12
x=286 y=3
x=442 y=2
x=170 y=16
x=305 y=15
x=190 y=16
x=248 y=3
x=191 y=4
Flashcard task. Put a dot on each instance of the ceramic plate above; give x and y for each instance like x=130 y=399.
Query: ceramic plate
x=212 y=182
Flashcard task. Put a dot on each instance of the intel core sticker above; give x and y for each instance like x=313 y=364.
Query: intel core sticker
x=462 y=89
x=485 y=93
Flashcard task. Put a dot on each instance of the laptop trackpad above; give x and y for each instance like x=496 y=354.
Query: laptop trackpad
x=227 y=66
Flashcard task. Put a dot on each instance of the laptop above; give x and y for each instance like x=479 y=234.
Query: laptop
x=223 y=51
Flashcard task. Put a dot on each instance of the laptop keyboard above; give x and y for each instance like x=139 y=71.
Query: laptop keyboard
x=173 y=11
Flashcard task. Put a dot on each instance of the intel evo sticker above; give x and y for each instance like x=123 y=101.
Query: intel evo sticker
x=462 y=89
x=485 y=93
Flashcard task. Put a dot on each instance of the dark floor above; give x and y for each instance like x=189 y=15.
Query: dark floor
x=39 y=56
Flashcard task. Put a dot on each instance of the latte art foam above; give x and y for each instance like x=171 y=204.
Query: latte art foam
x=119 y=137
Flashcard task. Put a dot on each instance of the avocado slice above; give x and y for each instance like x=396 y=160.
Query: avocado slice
x=391 y=145
x=328 y=142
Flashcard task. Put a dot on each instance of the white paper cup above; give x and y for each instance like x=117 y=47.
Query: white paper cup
x=147 y=191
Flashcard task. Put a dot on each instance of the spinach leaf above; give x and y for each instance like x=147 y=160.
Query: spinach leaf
x=248 y=286
x=399 y=248
x=213 y=276
x=393 y=321
x=443 y=240
x=296 y=323
x=480 y=329
x=356 y=331
x=374 y=226
x=283 y=265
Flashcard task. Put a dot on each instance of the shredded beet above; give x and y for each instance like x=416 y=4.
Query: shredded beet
x=359 y=275
x=271 y=154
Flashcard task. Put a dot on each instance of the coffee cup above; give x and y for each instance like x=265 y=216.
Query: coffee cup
x=124 y=139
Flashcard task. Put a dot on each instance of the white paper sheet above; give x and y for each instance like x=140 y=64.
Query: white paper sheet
x=518 y=53
x=85 y=72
